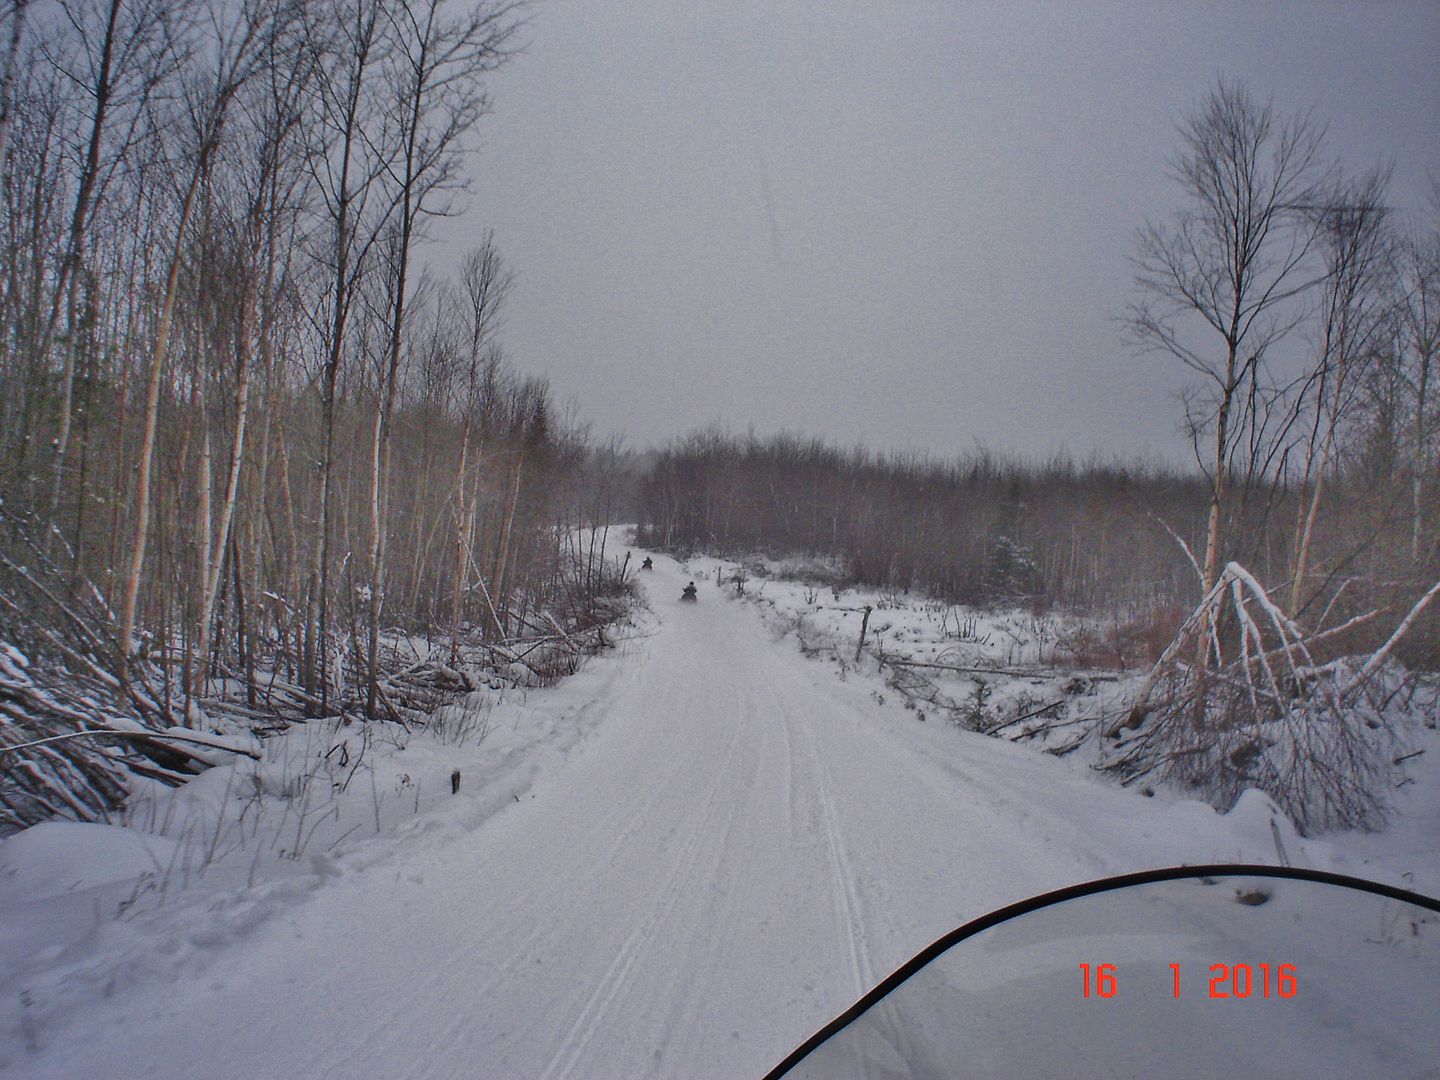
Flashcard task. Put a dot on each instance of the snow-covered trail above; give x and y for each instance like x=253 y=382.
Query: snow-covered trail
x=744 y=845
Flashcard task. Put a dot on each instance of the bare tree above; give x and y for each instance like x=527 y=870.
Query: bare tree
x=485 y=283
x=438 y=64
x=1216 y=284
x=269 y=25
x=1353 y=314
x=208 y=102
x=349 y=44
x=123 y=53
x=1419 y=322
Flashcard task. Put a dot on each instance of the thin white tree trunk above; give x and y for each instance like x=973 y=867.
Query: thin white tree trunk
x=1307 y=529
x=214 y=557
x=203 y=522
x=503 y=555
x=462 y=529
x=158 y=352
x=1417 y=482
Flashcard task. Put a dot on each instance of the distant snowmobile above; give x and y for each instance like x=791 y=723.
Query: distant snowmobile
x=648 y=564
x=690 y=593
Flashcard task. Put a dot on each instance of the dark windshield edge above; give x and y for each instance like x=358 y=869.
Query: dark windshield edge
x=1074 y=892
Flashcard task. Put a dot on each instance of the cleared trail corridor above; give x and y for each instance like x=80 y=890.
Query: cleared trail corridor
x=743 y=846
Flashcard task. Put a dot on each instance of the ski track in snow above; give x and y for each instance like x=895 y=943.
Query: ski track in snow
x=741 y=848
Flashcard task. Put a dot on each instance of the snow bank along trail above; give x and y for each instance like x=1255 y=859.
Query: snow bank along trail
x=743 y=847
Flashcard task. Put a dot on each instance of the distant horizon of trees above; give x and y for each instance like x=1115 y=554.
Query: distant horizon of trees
x=1095 y=536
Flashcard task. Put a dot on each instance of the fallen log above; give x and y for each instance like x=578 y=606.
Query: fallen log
x=1018 y=673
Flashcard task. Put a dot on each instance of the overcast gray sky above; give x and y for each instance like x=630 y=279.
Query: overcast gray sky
x=902 y=223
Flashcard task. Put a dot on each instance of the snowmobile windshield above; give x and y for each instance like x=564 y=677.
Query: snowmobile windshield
x=1190 y=972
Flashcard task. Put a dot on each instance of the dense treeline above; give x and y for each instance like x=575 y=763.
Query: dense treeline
x=977 y=530
x=243 y=437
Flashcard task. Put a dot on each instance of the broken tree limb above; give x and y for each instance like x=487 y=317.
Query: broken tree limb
x=161 y=737
x=1377 y=659
x=1027 y=716
x=1019 y=673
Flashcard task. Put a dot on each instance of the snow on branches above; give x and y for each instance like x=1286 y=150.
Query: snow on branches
x=1239 y=700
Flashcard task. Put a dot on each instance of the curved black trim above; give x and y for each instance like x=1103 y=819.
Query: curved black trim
x=1074 y=892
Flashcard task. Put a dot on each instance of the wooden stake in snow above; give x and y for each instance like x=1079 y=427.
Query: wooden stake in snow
x=864 y=622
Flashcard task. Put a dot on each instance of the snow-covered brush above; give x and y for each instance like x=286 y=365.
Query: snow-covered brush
x=70 y=740
x=66 y=751
x=1260 y=711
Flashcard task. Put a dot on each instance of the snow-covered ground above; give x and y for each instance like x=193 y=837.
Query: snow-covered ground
x=678 y=862
x=1016 y=674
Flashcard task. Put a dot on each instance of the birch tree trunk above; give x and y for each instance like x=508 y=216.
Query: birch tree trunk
x=158 y=351
x=502 y=555
x=213 y=559
x=232 y=69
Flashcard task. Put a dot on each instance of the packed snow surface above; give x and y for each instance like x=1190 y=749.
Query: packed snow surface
x=726 y=845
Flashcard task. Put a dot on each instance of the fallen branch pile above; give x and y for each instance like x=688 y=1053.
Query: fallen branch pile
x=70 y=737
x=1239 y=699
